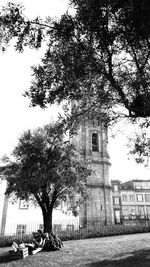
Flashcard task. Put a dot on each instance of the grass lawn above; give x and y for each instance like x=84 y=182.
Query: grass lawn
x=118 y=251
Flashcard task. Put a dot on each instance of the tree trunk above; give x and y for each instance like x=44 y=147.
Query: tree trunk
x=47 y=220
x=53 y=242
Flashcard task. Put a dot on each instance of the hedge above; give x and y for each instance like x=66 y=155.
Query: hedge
x=6 y=241
x=111 y=230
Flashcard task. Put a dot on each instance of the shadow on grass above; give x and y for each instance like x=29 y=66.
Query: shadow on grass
x=140 y=258
x=7 y=257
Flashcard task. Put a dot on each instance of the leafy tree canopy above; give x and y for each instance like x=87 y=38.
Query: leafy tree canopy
x=102 y=51
x=47 y=169
x=99 y=56
x=139 y=147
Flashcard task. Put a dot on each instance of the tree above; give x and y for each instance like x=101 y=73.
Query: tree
x=99 y=57
x=139 y=147
x=47 y=170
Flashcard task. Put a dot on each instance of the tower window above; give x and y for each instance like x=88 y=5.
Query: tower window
x=95 y=142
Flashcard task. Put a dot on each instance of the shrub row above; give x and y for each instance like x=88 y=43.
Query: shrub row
x=111 y=230
x=6 y=241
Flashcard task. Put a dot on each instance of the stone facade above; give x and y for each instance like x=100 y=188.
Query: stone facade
x=92 y=140
x=131 y=201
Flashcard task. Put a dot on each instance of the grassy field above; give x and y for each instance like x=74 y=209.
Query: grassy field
x=125 y=250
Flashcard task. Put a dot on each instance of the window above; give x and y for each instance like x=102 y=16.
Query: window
x=70 y=227
x=138 y=185
x=126 y=217
x=147 y=197
x=142 y=185
x=95 y=142
x=133 y=210
x=139 y=198
x=146 y=185
x=141 y=211
x=117 y=216
x=57 y=227
x=132 y=198
x=148 y=211
x=115 y=188
x=125 y=211
x=116 y=200
x=23 y=204
x=21 y=229
x=124 y=198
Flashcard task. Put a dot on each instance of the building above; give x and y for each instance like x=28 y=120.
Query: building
x=132 y=200
x=116 y=200
x=92 y=142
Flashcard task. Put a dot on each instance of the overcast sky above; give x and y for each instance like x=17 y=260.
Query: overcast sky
x=17 y=116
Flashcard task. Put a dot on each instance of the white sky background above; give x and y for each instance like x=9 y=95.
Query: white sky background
x=17 y=116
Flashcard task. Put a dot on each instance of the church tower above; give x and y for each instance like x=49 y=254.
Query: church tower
x=92 y=140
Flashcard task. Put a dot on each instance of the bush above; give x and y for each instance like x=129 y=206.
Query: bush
x=102 y=231
x=110 y=230
x=6 y=241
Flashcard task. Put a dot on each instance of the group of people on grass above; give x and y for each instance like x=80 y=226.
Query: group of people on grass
x=45 y=241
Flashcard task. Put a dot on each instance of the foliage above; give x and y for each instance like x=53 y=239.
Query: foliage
x=47 y=169
x=100 y=52
x=99 y=57
x=6 y=241
x=16 y=25
x=111 y=230
x=139 y=147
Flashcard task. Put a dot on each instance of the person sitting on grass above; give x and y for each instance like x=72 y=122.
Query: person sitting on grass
x=37 y=242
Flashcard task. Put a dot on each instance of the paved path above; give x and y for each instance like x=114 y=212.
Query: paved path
x=125 y=250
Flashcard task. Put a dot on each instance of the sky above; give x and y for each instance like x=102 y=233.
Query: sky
x=17 y=116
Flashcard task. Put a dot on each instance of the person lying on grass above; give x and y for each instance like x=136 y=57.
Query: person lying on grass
x=46 y=241
x=37 y=242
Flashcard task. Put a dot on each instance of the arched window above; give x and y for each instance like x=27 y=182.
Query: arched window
x=95 y=146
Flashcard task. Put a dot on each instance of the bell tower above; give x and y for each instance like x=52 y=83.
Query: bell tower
x=92 y=140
